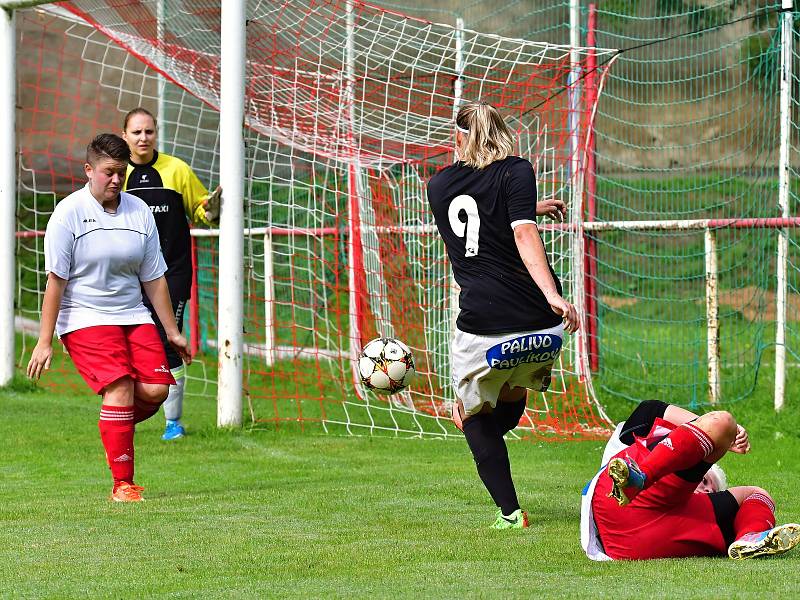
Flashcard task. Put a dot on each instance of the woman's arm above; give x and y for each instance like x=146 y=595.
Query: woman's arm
x=531 y=250
x=51 y=304
x=158 y=293
x=678 y=416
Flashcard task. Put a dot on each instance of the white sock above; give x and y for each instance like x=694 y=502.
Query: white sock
x=173 y=405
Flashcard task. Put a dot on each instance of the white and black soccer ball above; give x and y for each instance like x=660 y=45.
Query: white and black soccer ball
x=386 y=366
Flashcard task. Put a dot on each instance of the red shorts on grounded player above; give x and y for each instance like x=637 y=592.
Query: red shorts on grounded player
x=104 y=353
x=667 y=520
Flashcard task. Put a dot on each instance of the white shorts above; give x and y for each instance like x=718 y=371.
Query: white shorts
x=482 y=364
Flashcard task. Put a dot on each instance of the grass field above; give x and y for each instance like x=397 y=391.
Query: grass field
x=280 y=514
x=285 y=513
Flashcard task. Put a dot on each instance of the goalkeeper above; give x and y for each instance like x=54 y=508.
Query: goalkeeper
x=175 y=195
x=660 y=493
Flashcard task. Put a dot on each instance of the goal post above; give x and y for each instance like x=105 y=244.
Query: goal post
x=784 y=167
x=233 y=54
x=8 y=193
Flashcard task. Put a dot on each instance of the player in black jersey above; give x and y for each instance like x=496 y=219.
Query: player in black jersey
x=175 y=195
x=512 y=315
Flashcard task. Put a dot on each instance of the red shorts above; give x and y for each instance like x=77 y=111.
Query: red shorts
x=104 y=353
x=667 y=520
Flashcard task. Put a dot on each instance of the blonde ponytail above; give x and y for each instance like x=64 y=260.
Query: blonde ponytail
x=487 y=137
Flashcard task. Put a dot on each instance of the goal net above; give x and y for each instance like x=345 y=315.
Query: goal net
x=344 y=125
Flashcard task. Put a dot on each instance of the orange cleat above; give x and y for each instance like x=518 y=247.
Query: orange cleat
x=126 y=492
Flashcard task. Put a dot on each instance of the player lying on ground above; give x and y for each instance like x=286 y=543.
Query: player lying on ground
x=659 y=493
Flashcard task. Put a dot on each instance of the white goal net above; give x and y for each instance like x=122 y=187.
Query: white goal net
x=344 y=125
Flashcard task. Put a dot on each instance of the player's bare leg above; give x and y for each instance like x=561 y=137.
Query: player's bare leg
x=458 y=414
x=148 y=398
x=721 y=429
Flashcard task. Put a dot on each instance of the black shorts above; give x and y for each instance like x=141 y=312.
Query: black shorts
x=179 y=293
x=725 y=509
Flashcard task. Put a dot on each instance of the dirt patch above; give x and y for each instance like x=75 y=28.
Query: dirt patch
x=757 y=304
x=754 y=303
x=617 y=301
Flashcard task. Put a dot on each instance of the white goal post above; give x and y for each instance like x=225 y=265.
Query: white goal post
x=232 y=172
x=231 y=251
x=8 y=192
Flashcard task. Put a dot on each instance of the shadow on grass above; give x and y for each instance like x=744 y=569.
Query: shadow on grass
x=22 y=385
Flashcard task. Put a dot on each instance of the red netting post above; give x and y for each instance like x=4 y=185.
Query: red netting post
x=194 y=305
x=591 y=189
x=357 y=280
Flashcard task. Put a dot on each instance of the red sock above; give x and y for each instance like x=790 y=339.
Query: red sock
x=684 y=447
x=143 y=410
x=116 y=431
x=757 y=513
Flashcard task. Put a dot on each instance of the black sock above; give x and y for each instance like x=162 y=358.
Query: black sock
x=491 y=457
x=507 y=415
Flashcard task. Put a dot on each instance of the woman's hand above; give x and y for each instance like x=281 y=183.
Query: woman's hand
x=181 y=346
x=553 y=208
x=566 y=311
x=741 y=443
x=40 y=360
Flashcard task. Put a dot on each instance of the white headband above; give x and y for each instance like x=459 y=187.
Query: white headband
x=716 y=472
x=461 y=129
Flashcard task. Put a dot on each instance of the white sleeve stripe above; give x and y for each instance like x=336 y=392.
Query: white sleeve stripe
x=518 y=222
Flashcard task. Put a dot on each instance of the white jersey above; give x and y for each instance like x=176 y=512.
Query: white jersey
x=590 y=538
x=104 y=257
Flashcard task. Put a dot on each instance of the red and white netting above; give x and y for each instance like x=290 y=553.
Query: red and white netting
x=343 y=126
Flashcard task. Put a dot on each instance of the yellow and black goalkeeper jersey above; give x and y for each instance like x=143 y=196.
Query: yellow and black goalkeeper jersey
x=175 y=195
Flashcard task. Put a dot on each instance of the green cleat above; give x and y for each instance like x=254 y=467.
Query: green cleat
x=777 y=540
x=516 y=520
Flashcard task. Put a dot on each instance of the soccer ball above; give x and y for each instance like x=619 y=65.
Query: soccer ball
x=386 y=365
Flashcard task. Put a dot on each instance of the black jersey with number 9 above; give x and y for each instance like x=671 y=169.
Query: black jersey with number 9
x=475 y=211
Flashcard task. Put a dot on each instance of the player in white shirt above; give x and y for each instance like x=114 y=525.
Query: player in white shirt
x=101 y=251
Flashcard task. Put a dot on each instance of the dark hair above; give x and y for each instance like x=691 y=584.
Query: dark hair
x=107 y=145
x=137 y=111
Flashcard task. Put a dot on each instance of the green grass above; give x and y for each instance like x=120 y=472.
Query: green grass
x=276 y=514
